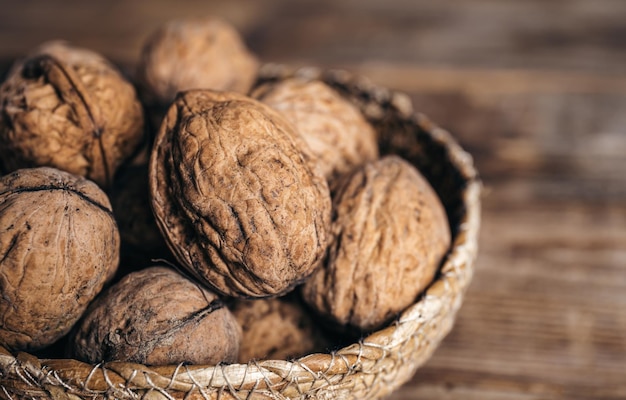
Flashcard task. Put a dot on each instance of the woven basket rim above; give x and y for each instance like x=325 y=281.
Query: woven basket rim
x=319 y=375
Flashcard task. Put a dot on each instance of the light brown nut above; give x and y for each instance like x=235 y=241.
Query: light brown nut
x=156 y=316
x=68 y=108
x=390 y=234
x=58 y=245
x=236 y=197
x=276 y=329
x=335 y=130
x=194 y=53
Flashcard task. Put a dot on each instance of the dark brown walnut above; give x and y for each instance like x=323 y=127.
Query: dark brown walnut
x=390 y=233
x=142 y=241
x=334 y=128
x=59 y=244
x=237 y=196
x=156 y=316
x=194 y=53
x=276 y=329
x=68 y=108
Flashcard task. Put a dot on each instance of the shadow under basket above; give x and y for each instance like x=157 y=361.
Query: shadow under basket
x=369 y=369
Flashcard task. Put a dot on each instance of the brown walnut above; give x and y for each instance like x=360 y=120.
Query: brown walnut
x=59 y=244
x=390 y=233
x=68 y=108
x=194 y=53
x=237 y=196
x=156 y=316
x=276 y=329
x=335 y=130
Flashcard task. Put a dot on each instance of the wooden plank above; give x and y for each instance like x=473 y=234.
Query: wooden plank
x=447 y=384
x=586 y=35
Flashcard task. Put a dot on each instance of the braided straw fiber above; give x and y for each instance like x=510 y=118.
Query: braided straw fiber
x=372 y=368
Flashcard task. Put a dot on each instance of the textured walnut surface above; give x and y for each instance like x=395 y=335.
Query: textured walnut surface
x=390 y=233
x=334 y=128
x=240 y=204
x=68 y=108
x=58 y=245
x=157 y=316
x=195 y=53
x=276 y=329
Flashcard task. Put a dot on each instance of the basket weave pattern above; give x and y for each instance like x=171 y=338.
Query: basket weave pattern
x=371 y=368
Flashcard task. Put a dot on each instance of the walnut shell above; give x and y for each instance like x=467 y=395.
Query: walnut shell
x=335 y=130
x=194 y=53
x=156 y=316
x=68 y=108
x=276 y=329
x=390 y=233
x=236 y=196
x=59 y=244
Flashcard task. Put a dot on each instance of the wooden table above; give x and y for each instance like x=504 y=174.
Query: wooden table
x=535 y=90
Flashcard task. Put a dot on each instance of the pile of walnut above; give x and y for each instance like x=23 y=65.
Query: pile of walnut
x=258 y=222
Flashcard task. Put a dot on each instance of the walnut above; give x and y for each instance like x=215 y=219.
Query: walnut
x=390 y=233
x=68 y=108
x=156 y=316
x=334 y=128
x=59 y=244
x=276 y=329
x=237 y=196
x=195 y=53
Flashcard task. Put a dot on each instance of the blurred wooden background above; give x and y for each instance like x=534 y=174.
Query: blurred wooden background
x=535 y=90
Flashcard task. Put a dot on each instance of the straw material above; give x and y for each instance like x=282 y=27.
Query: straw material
x=370 y=369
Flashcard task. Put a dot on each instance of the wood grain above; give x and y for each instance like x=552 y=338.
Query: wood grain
x=535 y=90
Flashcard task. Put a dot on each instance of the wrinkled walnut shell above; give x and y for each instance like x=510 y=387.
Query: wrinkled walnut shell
x=390 y=233
x=238 y=199
x=68 y=108
x=59 y=244
x=156 y=316
x=335 y=130
x=194 y=53
x=276 y=329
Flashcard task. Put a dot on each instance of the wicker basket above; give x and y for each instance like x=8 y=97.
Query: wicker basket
x=372 y=368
